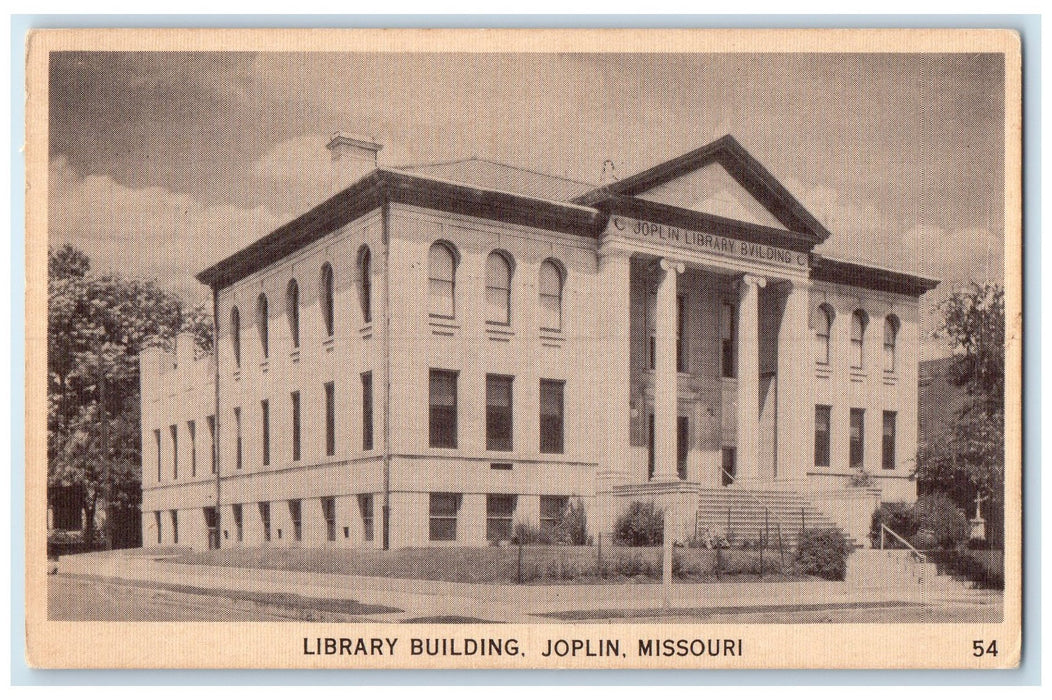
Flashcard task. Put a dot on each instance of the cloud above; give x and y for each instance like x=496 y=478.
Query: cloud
x=147 y=232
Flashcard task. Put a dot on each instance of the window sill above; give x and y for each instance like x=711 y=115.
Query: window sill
x=295 y=355
x=499 y=331
x=237 y=375
x=552 y=338
x=328 y=343
x=264 y=366
x=366 y=331
x=443 y=326
x=858 y=375
x=891 y=378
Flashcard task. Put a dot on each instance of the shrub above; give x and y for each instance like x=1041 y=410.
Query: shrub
x=901 y=518
x=974 y=566
x=572 y=527
x=823 y=553
x=642 y=525
x=940 y=516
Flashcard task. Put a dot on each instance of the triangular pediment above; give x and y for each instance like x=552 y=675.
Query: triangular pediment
x=712 y=190
x=719 y=182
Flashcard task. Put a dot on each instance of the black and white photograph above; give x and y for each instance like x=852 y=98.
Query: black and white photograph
x=564 y=349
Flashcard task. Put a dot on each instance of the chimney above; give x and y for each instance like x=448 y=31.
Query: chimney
x=354 y=149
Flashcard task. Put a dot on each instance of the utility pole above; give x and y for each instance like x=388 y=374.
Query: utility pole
x=104 y=441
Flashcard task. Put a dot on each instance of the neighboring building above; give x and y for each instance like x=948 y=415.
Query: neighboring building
x=438 y=353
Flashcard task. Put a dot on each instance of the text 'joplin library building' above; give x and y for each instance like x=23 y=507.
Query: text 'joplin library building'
x=439 y=353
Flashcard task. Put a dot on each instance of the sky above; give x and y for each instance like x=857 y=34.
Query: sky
x=161 y=164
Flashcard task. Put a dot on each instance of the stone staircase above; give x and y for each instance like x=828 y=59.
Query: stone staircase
x=891 y=568
x=741 y=512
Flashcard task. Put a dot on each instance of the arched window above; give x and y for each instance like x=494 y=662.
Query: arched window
x=365 y=283
x=292 y=311
x=327 y=300
x=551 y=295
x=441 y=280
x=823 y=323
x=858 y=331
x=891 y=332
x=498 y=289
x=235 y=335
x=263 y=324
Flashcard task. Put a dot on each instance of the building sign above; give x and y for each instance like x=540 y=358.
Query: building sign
x=687 y=240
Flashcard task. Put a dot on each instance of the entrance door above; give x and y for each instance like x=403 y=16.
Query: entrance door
x=212 y=522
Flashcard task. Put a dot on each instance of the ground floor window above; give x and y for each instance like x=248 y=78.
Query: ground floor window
x=264 y=517
x=887 y=457
x=822 y=419
x=328 y=511
x=295 y=513
x=212 y=523
x=365 y=505
x=499 y=512
x=175 y=527
x=552 y=508
x=239 y=523
x=443 y=517
x=858 y=435
x=157 y=520
x=730 y=466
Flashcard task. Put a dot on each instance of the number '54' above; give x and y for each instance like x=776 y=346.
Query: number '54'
x=981 y=648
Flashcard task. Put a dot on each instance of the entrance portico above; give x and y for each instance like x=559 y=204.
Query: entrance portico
x=699 y=402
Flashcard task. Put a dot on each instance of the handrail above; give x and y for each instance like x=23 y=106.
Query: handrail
x=920 y=557
x=754 y=497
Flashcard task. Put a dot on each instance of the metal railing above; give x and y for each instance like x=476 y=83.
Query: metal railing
x=753 y=496
x=884 y=528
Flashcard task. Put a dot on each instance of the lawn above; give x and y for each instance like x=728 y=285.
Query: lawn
x=539 y=564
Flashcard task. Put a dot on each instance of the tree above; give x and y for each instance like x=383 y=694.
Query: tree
x=969 y=461
x=97 y=325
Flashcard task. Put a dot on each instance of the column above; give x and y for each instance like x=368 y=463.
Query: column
x=795 y=416
x=665 y=374
x=749 y=375
x=614 y=310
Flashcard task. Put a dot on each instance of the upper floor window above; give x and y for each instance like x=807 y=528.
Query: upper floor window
x=858 y=332
x=728 y=340
x=551 y=295
x=235 y=335
x=263 y=324
x=498 y=289
x=823 y=323
x=441 y=280
x=328 y=301
x=891 y=332
x=365 y=283
x=292 y=311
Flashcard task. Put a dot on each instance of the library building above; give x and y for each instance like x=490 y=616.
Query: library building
x=448 y=353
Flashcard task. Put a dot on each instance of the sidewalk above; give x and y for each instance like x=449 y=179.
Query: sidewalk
x=502 y=602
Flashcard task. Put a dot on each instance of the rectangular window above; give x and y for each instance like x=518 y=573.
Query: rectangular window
x=157 y=440
x=295 y=426
x=498 y=412
x=239 y=522
x=681 y=354
x=330 y=419
x=367 y=410
x=175 y=526
x=551 y=416
x=237 y=432
x=174 y=430
x=552 y=509
x=682 y=445
x=858 y=434
x=443 y=408
x=211 y=420
x=365 y=505
x=728 y=343
x=443 y=517
x=499 y=512
x=295 y=513
x=887 y=456
x=191 y=429
x=328 y=511
x=264 y=407
x=730 y=465
x=264 y=517
x=157 y=517
x=822 y=435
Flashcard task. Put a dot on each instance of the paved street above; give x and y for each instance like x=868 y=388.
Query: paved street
x=123 y=586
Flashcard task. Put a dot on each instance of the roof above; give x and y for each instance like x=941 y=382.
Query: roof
x=882 y=279
x=489 y=174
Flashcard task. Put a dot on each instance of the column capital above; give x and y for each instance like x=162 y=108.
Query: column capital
x=671 y=265
x=753 y=280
